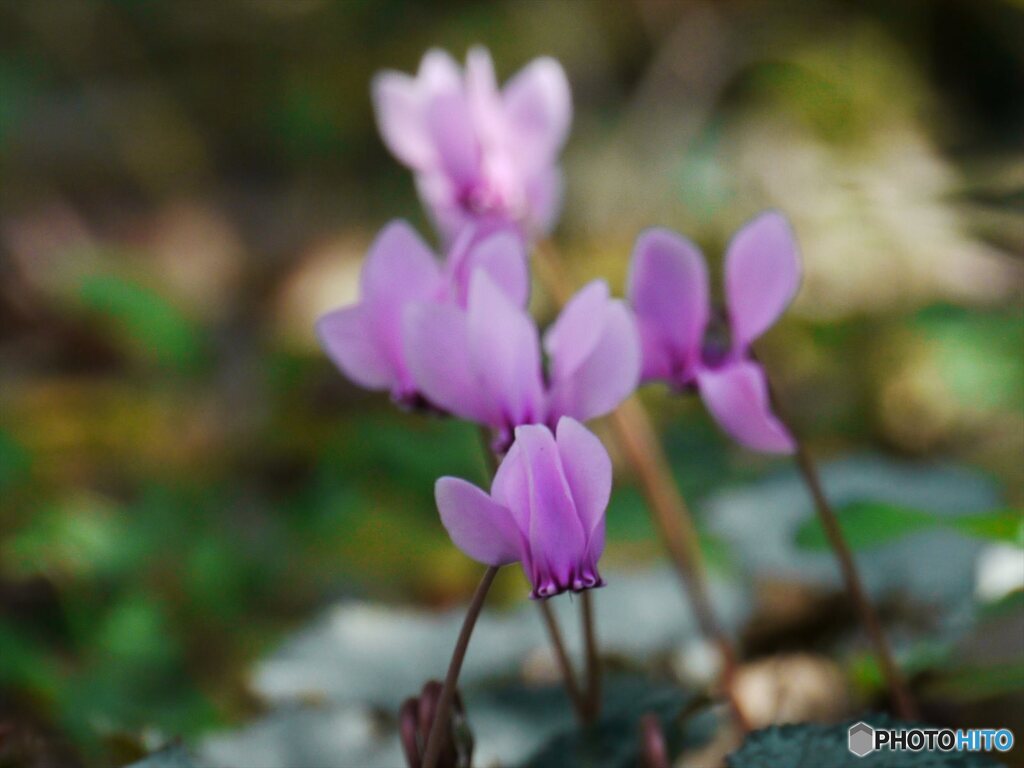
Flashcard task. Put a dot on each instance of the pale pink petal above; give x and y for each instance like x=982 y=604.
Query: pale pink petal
x=439 y=197
x=399 y=269
x=484 y=97
x=438 y=356
x=454 y=137
x=438 y=73
x=481 y=81
x=657 y=359
x=576 y=331
x=511 y=487
x=762 y=275
x=737 y=396
x=401 y=119
x=588 y=470
x=344 y=336
x=399 y=264
x=505 y=352
x=538 y=106
x=668 y=288
x=500 y=251
x=481 y=528
x=544 y=193
x=594 y=350
x=556 y=536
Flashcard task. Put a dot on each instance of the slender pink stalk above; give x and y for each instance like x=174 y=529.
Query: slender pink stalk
x=593 y=701
x=902 y=702
x=435 y=741
x=579 y=702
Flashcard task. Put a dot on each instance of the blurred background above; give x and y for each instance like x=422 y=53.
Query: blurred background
x=199 y=516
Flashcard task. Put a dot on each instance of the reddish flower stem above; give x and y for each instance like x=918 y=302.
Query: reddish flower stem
x=435 y=741
x=902 y=702
x=638 y=441
x=579 y=703
x=671 y=516
x=593 y=703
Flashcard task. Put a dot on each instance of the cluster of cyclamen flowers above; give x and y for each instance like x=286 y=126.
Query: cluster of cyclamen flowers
x=453 y=334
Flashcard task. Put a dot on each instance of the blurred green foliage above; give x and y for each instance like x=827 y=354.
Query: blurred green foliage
x=872 y=523
x=144 y=320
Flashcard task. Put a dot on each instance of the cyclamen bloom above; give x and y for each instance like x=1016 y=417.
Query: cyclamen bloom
x=366 y=340
x=668 y=288
x=546 y=508
x=479 y=153
x=483 y=363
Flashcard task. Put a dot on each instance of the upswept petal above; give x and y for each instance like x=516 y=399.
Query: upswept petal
x=762 y=275
x=595 y=355
x=438 y=356
x=399 y=263
x=588 y=470
x=499 y=251
x=438 y=196
x=438 y=73
x=399 y=269
x=510 y=487
x=668 y=289
x=398 y=106
x=574 y=334
x=505 y=352
x=556 y=536
x=737 y=396
x=544 y=193
x=538 y=106
x=452 y=133
x=479 y=526
x=344 y=336
x=484 y=97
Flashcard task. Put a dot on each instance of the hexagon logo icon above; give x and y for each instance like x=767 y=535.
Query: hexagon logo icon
x=861 y=739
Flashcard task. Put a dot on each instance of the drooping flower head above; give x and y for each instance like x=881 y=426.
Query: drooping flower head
x=483 y=363
x=479 y=153
x=546 y=508
x=366 y=341
x=683 y=345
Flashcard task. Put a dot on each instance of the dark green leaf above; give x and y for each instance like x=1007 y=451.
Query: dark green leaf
x=810 y=745
x=613 y=742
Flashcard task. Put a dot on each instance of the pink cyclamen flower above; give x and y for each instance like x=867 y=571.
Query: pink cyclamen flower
x=366 y=341
x=483 y=363
x=668 y=288
x=546 y=508
x=478 y=152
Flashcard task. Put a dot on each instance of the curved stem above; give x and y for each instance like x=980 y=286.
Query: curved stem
x=490 y=460
x=671 y=516
x=593 y=658
x=439 y=728
x=579 y=704
x=903 y=703
x=639 y=442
